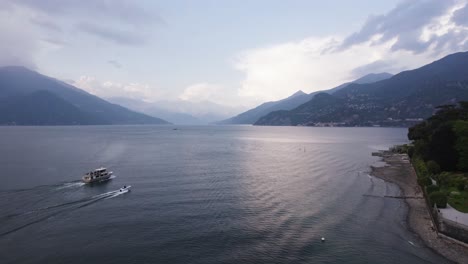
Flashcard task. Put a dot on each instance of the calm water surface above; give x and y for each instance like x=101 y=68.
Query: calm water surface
x=208 y=194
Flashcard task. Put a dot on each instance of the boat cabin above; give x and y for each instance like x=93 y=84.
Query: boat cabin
x=96 y=174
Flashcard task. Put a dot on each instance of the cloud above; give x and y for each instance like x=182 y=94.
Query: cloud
x=31 y=29
x=375 y=67
x=117 y=36
x=19 y=43
x=278 y=71
x=206 y=110
x=122 y=10
x=119 y=21
x=405 y=23
x=203 y=92
x=414 y=33
x=115 y=63
x=199 y=100
x=460 y=17
x=108 y=89
x=45 y=23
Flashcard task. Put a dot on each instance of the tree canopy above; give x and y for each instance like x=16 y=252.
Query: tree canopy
x=443 y=138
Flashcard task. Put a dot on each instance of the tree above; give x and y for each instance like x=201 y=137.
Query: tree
x=443 y=178
x=419 y=131
x=461 y=183
x=442 y=138
x=442 y=147
x=461 y=144
x=438 y=198
x=411 y=151
x=463 y=105
x=420 y=167
x=421 y=148
x=432 y=188
x=424 y=181
x=432 y=167
x=464 y=110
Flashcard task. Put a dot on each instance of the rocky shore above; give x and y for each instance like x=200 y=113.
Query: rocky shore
x=398 y=170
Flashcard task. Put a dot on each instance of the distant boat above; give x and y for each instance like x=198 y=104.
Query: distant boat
x=125 y=188
x=100 y=174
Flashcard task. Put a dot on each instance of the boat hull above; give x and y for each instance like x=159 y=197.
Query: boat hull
x=87 y=179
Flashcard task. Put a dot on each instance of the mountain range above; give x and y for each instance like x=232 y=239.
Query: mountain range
x=180 y=112
x=401 y=100
x=29 y=98
x=153 y=109
x=251 y=116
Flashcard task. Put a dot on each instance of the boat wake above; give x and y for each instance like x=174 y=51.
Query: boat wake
x=117 y=193
x=76 y=184
x=71 y=185
x=17 y=221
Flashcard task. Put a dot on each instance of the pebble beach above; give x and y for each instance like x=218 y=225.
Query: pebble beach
x=398 y=170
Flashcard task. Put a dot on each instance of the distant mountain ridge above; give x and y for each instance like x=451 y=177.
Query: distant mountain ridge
x=153 y=110
x=253 y=115
x=398 y=101
x=29 y=98
x=179 y=112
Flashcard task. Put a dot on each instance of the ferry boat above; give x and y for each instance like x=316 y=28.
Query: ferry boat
x=100 y=174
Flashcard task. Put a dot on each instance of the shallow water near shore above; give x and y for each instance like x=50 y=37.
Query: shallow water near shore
x=212 y=194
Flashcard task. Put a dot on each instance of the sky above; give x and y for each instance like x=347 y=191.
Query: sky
x=235 y=53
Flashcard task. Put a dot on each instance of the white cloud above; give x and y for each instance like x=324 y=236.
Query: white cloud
x=19 y=43
x=312 y=64
x=206 y=110
x=278 y=71
x=29 y=30
x=107 y=89
x=200 y=100
x=208 y=92
x=200 y=92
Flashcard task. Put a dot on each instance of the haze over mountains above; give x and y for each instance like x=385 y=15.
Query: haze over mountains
x=179 y=112
x=29 y=98
x=401 y=100
x=253 y=115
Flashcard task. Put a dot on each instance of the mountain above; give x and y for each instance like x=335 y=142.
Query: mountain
x=252 y=115
x=206 y=112
x=29 y=98
x=401 y=100
x=153 y=109
x=293 y=101
x=373 y=77
x=42 y=107
x=180 y=112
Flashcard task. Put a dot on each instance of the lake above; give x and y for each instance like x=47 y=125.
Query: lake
x=206 y=194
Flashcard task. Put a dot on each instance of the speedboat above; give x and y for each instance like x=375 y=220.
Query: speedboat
x=125 y=188
x=100 y=174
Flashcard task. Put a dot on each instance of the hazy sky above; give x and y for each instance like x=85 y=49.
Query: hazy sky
x=237 y=53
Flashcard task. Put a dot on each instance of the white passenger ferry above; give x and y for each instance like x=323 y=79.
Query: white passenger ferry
x=100 y=174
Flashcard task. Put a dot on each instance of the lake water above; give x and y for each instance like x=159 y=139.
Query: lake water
x=211 y=194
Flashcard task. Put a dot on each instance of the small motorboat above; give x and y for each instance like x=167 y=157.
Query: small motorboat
x=125 y=188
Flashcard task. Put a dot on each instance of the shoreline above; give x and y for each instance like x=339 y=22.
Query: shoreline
x=398 y=170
